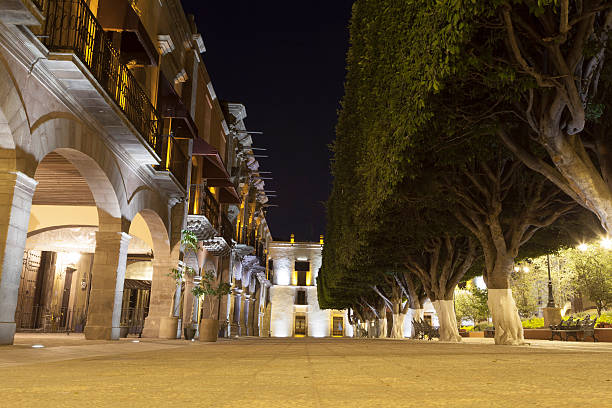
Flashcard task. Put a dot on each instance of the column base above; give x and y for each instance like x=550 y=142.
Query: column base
x=98 y=333
x=7 y=333
x=552 y=316
x=168 y=327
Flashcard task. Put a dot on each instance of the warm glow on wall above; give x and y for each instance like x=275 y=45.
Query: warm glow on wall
x=292 y=238
x=294 y=276
x=308 y=278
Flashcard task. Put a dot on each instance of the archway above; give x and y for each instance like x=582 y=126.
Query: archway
x=75 y=234
x=162 y=289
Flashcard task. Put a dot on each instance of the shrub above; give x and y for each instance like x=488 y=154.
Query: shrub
x=482 y=326
x=533 y=323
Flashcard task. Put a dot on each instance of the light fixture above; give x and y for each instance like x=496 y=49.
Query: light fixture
x=38 y=346
x=516 y=269
x=526 y=269
x=583 y=247
x=606 y=243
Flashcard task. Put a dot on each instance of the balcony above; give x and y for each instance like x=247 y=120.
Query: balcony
x=175 y=162
x=83 y=59
x=227 y=229
x=203 y=218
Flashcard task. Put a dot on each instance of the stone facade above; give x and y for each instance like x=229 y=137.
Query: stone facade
x=106 y=155
x=295 y=308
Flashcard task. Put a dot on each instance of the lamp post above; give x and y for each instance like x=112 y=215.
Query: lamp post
x=551 y=300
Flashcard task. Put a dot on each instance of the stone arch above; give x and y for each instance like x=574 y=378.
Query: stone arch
x=86 y=150
x=14 y=124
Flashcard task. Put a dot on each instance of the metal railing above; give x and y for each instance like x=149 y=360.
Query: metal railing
x=71 y=26
x=227 y=230
x=133 y=319
x=176 y=161
x=50 y=320
x=201 y=201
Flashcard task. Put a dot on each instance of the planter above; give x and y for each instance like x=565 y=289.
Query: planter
x=478 y=334
x=168 y=327
x=189 y=332
x=209 y=330
x=123 y=331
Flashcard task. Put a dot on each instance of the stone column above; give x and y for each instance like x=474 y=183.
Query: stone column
x=161 y=302
x=244 y=323
x=16 y=191
x=231 y=302
x=253 y=315
x=108 y=275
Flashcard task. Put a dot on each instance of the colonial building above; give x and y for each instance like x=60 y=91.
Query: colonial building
x=112 y=141
x=293 y=268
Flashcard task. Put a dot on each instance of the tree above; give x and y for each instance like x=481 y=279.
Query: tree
x=593 y=274
x=471 y=303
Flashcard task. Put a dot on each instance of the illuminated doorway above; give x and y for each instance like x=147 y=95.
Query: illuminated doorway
x=338 y=326
x=300 y=326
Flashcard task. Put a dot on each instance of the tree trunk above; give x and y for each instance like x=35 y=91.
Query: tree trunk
x=382 y=328
x=508 y=327
x=397 y=331
x=448 y=321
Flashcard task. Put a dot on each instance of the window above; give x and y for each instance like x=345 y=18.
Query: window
x=301 y=278
x=300 y=326
x=338 y=326
x=302 y=266
x=301 y=298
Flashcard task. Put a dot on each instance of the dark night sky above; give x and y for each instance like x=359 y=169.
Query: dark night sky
x=285 y=61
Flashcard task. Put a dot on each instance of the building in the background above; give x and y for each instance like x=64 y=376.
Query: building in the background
x=295 y=312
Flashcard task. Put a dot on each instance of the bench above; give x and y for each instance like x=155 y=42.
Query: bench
x=422 y=329
x=572 y=328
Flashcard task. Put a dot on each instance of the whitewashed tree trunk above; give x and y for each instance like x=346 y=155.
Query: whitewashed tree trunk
x=448 y=321
x=508 y=327
x=397 y=331
x=382 y=328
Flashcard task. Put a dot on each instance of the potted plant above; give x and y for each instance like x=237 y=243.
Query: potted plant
x=209 y=327
x=169 y=325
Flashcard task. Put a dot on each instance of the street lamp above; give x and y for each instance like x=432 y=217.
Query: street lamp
x=551 y=300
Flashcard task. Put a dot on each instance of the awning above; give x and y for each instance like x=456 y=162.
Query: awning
x=118 y=15
x=214 y=171
x=228 y=195
x=170 y=105
x=137 y=284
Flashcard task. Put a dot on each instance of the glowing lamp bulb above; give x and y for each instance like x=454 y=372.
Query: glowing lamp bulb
x=606 y=243
x=516 y=269
x=583 y=247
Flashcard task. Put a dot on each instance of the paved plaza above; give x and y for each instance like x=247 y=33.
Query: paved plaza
x=255 y=372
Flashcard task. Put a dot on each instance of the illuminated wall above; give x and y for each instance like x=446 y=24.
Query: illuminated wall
x=281 y=318
x=283 y=293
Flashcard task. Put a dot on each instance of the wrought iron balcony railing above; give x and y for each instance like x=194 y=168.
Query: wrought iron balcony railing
x=202 y=202
x=174 y=159
x=71 y=26
x=227 y=229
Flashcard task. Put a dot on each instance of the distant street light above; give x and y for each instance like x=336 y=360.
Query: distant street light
x=551 y=299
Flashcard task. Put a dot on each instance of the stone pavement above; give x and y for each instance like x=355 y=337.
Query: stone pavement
x=305 y=372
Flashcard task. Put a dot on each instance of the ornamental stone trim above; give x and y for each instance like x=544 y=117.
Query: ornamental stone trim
x=201 y=227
